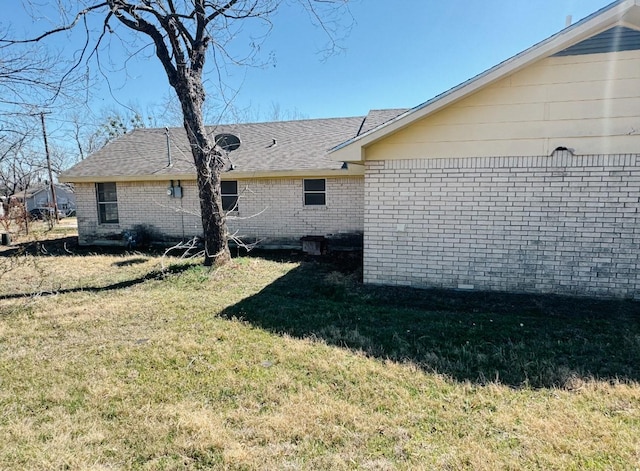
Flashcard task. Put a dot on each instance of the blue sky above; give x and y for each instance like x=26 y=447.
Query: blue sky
x=398 y=54
x=404 y=54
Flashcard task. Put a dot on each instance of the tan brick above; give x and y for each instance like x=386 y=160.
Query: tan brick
x=268 y=209
x=518 y=223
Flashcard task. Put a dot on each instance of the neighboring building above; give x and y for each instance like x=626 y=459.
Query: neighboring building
x=282 y=186
x=524 y=178
x=40 y=197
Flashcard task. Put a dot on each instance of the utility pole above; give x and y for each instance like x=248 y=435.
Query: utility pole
x=52 y=186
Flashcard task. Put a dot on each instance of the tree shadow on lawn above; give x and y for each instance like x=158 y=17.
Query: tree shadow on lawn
x=515 y=339
x=152 y=275
x=65 y=246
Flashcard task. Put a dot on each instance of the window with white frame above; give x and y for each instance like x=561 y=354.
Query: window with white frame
x=315 y=192
x=107 y=196
x=229 y=190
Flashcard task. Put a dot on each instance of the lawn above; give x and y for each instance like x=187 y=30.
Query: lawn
x=135 y=361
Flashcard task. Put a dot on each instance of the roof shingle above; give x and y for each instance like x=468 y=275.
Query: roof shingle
x=266 y=147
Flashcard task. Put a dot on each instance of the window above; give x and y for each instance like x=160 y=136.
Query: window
x=107 y=203
x=229 y=195
x=315 y=192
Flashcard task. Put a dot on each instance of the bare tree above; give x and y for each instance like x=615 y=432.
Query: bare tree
x=20 y=165
x=31 y=79
x=25 y=77
x=184 y=33
x=92 y=134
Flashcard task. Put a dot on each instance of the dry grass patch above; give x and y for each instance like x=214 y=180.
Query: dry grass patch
x=265 y=364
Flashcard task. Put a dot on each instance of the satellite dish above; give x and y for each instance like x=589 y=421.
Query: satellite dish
x=228 y=142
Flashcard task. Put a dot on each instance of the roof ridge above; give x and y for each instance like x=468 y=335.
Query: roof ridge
x=335 y=118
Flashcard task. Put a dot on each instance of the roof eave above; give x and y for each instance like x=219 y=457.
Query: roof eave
x=353 y=149
x=340 y=172
x=235 y=174
x=124 y=178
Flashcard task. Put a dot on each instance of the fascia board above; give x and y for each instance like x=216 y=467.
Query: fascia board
x=355 y=170
x=124 y=178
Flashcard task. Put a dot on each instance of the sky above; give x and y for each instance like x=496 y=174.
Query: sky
x=396 y=54
x=400 y=53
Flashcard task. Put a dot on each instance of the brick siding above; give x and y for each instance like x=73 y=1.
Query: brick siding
x=269 y=210
x=560 y=224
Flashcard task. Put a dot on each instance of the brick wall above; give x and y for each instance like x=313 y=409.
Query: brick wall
x=269 y=210
x=274 y=209
x=563 y=224
x=139 y=203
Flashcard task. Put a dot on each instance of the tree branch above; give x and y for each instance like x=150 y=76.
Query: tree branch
x=60 y=29
x=162 y=52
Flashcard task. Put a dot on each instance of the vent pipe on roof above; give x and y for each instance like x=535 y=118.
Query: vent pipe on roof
x=169 y=161
x=568 y=20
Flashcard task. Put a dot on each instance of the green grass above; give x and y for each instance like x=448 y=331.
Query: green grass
x=106 y=363
x=519 y=340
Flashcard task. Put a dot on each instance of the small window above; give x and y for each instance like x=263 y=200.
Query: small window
x=107 y=203
x=229 y=191
x=315 y=193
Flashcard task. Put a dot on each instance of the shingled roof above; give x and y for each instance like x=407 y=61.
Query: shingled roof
x=377 y=118
x=267 y=148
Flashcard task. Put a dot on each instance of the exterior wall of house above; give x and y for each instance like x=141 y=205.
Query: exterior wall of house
x=139 y=204
x=587 y=102
x=274 y=209
x=66 y=199
x=32 y=203
x=560 y=224
x=39 y=200
x=269 y=210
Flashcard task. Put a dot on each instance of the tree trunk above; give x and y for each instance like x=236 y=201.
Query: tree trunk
x=209 y=163
x=183 y=55
x=214 y=227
